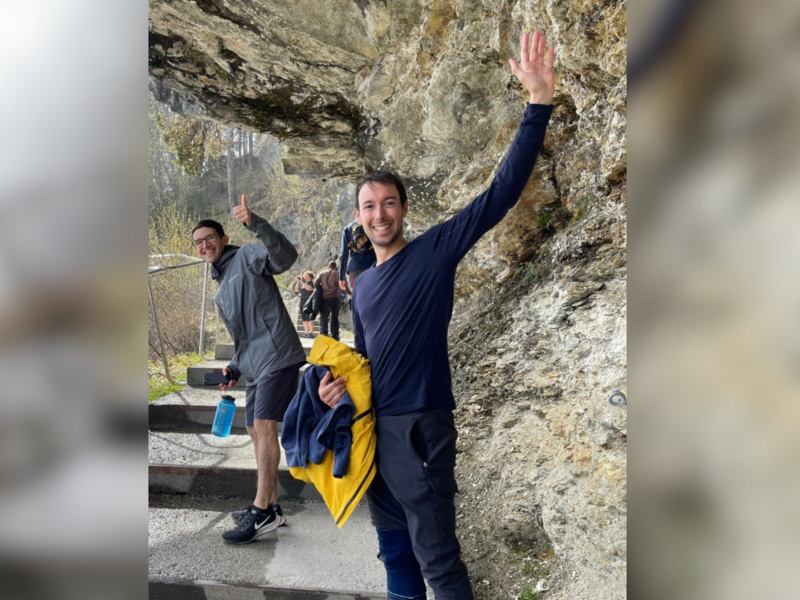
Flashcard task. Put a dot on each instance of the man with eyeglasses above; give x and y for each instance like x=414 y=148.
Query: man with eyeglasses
x=268 y=351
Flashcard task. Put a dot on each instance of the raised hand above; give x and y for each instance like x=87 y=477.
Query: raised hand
x=242 y=213
x=535 y=69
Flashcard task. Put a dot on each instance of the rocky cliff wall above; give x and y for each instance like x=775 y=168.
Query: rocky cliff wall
x=424 y=89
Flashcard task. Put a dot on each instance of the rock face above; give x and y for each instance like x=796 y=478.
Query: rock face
x=424 y=89
x=533 y=366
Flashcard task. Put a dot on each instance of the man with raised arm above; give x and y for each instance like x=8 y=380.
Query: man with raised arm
x=268 y=353
x=401 y=311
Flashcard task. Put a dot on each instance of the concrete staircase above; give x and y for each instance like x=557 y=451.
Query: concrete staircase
x=196 y=480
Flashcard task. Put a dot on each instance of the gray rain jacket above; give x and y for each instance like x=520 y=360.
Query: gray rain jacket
x=250 y=304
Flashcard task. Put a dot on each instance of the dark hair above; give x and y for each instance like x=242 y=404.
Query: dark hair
x=215 y=225
x=332 y=264
x=386 y=178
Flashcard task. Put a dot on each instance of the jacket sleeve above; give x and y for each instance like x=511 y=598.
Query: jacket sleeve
x=344 y=253
x=279 y=253
x=298 y=423
x=358 y=330
x=334 y=432
x=234 y=366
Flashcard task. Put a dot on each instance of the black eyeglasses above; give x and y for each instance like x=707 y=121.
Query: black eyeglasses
x=208 y=239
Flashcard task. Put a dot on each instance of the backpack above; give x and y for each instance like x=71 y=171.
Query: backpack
x=360 y=243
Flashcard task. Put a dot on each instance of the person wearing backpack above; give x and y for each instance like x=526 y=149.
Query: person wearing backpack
x=356 y=254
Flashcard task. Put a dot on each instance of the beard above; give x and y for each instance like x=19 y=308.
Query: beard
x=397 y=235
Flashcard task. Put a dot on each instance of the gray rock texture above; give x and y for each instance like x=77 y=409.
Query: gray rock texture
x=538 y=339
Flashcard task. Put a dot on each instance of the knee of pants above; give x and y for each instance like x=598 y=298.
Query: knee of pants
x=403 y=577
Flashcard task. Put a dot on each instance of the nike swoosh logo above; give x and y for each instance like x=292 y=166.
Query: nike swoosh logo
x=260 y=525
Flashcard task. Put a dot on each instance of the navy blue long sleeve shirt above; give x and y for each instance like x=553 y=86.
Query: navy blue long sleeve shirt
x=402 y=307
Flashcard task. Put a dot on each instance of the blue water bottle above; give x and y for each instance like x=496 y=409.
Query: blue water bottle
x=224 y=417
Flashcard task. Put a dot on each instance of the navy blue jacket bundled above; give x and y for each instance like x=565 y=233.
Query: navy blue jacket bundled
x=310 y=427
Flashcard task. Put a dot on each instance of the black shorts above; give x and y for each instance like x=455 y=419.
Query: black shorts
x=307 y=315
x=269 y=397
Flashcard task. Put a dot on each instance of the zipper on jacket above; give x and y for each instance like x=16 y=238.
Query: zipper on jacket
x=362 y=415
x=358 y=489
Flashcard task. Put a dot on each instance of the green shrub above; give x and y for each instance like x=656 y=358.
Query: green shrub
x=157 y=383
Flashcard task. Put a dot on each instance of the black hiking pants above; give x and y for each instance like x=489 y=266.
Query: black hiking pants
x=411 y=504
x=330 y=309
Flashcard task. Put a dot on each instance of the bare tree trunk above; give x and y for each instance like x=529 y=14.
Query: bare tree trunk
x=231 y=170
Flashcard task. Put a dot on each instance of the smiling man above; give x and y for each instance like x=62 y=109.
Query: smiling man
x=268 y=351
x=401 y=311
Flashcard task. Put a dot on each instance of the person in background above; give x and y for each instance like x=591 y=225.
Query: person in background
x=329 y=280
x=303 y=287
x=355 y=255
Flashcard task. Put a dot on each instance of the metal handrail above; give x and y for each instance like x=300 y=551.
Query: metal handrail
x=203 y=314
x=155 y=270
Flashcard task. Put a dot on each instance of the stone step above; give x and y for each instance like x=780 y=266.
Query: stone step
x=192 y=410
x=194 y=375
x=184 y=589
x=224 y=482
x=309 y=554
x=202 y=450
x=204 y=464
x=225 y=351
x=190 y=419
x=198 y=396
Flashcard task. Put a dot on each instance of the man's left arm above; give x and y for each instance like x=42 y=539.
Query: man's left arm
x=280 y=252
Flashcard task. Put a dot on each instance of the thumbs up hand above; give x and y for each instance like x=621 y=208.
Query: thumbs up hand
x=242 y=213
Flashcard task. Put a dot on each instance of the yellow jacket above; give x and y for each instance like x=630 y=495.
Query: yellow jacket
x=342 y=495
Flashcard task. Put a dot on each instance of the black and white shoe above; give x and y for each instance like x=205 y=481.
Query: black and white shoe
x=252 y=525
x=279 y=513
x=238 y=514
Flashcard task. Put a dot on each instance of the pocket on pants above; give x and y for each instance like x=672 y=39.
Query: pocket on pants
x=434 y=447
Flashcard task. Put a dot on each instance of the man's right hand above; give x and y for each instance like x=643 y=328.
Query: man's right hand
x=242 y=213
x=343 y=284
x=535 y=68
x=330 y=392
x=231 y=383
